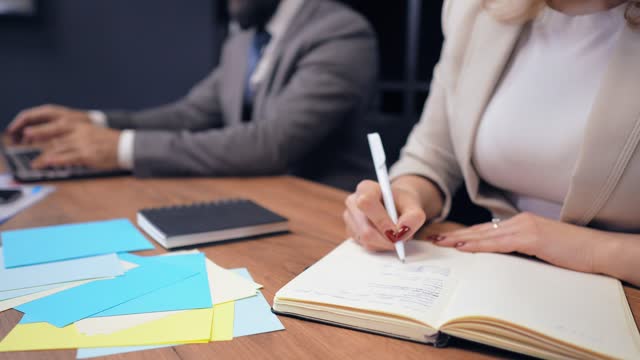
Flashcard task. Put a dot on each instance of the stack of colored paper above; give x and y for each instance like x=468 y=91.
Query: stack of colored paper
x=75 y=292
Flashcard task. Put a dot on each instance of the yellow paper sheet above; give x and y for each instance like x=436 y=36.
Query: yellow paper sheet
x=190 y=326
x=111 y=324
x=222 y=326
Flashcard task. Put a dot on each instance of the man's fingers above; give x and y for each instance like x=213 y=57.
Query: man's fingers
x=45 y=131
x=32 y=116
x=68 y=158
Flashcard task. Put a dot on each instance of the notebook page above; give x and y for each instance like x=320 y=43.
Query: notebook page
x=353 y=277
x=583 y=309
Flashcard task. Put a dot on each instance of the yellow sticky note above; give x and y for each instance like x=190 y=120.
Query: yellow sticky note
x=190 y=326
x=222 y=328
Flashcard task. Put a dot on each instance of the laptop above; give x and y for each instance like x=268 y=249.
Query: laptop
x=18 y=160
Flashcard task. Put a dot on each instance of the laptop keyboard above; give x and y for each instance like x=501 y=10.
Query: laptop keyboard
x=20 y=159
x=25 y=158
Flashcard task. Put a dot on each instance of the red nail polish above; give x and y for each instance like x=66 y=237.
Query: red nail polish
x=391 y=235
x=404 y=230
x=436 y=237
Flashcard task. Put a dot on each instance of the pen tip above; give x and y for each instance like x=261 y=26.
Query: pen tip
x=402 y=260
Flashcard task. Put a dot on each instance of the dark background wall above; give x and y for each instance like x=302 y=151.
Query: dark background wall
x=138 y=53
x=105 y=53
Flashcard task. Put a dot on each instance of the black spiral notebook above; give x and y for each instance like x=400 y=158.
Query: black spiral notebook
x=179 y=226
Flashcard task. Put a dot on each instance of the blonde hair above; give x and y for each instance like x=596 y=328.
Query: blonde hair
x=519 y=11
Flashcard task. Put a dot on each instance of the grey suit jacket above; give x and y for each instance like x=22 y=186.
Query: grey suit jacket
x=312 y=102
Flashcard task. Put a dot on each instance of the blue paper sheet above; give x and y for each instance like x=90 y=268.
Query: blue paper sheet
x=77 y=303
x=190 y=293
x=87 y=353
x=58 y=272
x=253 y=315
x=72 y=241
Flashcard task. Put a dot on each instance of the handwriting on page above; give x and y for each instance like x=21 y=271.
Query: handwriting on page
x=387 y=286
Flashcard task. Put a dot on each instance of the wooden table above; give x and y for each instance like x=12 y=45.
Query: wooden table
x=316 y=228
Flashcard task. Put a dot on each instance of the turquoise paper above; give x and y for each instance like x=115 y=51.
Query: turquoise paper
x=72 y=241
x=190 y=293
x=77 y=303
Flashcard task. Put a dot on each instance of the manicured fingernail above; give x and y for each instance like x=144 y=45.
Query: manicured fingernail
x=391 y=235
x=436 y=237
x=404 y=230
x=460 y=244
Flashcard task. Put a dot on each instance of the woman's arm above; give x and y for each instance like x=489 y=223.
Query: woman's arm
x=570 y=246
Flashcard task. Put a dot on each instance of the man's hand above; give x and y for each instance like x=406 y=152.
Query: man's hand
x=44 y=123
x=85 y=145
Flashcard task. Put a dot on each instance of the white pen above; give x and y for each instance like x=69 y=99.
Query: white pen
x=379 y=161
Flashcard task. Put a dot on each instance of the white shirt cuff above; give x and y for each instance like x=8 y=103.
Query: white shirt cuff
x=125 y=149
x=98 y=118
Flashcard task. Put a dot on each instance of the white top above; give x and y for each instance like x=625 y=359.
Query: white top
x=532 y=130
x=277 y=26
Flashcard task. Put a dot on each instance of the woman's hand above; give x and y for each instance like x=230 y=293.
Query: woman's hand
x=558 y=243
x=368 y=223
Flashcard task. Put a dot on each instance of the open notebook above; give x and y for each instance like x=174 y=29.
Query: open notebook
x=505 y=301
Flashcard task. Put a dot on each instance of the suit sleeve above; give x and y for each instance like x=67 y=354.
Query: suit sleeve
x=331 y=79
x=429 y=150
x=200 y=109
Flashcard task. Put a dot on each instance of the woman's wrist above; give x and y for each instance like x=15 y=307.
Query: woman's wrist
x=428 y=193
x=614 y=255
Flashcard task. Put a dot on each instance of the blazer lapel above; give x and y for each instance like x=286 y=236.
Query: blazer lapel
x=237 y=68
x=492 y=45
x=611 y=136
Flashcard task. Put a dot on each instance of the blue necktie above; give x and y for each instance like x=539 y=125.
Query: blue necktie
x=260 y=40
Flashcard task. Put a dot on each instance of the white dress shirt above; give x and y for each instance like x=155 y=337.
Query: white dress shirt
x=276 y=27
x=530 y=136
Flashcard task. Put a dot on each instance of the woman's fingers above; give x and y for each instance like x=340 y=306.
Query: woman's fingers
x=412 y=216
x=473 y=233
x=365 y=232
x=500 y=244
x=369 y=201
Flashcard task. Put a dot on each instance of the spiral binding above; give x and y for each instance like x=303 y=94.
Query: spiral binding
x=202 y=204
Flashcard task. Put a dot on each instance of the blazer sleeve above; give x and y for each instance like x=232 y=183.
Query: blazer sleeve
x=332 y=77
x=429 y=151
x=200 y=109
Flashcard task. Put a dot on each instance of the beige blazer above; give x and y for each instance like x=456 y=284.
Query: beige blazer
x=605 y=187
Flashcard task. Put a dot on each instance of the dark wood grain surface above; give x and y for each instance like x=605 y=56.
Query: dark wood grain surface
x=316 y=228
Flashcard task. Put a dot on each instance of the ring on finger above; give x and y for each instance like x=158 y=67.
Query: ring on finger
x=495 y=223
